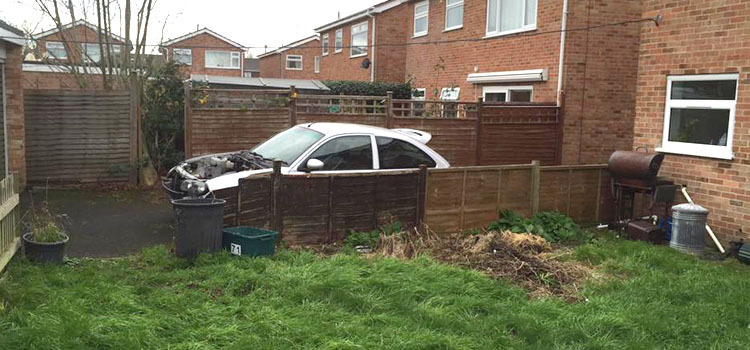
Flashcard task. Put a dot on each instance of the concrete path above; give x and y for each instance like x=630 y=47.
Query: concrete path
x=108 y=223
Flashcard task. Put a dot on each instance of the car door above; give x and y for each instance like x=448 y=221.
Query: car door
x=343 y=154
x=397 y=154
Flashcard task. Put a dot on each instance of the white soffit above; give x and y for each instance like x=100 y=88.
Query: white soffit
x=530 y=75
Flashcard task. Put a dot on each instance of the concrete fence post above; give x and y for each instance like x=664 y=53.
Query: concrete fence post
x=536 y=176
x=389 y=110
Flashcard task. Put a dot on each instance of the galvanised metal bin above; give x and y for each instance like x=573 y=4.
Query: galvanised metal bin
x=689 y=228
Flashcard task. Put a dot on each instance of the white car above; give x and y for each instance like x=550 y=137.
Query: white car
x=325 y=148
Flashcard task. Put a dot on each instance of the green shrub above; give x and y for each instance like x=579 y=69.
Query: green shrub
x=363 y=88
x=163 y=116
x=550 y=225
x=371 y=238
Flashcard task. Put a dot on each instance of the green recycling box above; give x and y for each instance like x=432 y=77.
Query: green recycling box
x=250 y=241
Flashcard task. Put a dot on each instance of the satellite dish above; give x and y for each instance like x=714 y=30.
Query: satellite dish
x=366 y=63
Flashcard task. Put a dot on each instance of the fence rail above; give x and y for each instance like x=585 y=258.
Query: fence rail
x=10 y=230
x=312 y=209
x=465 y=133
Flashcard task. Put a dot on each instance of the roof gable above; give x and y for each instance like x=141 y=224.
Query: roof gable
x=376 y=9
x=291 y=46
x=72 y=25
x=203 y=31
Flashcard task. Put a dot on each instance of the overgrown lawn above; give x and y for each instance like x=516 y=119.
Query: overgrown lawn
x=651 y=297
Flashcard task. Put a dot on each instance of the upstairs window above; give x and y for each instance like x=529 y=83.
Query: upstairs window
x=699 y=115
x=222 y=59
x=317 y=64
x=338 y=41
x=184 y=56
x=359 y=40
x=92 y=52
x=510 y=16
x=325 y=41
x=56 y=49
x=421 y=11
x=294 y=62
x=454 y=14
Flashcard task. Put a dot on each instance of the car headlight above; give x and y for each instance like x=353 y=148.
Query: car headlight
x=194 y=188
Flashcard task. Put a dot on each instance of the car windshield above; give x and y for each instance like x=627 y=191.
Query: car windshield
x=288 y=145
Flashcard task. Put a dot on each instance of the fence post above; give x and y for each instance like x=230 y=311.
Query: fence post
x=277 y=217
x=135 y=127
x=478 y=128
x=389 y=110
x=421 y=195
x=292 y=106
x=188 y=123
x=536 y=176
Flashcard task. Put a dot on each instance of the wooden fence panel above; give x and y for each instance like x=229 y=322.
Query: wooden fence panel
x=10 y=219
x=305 y=209
x=227 y=130
x=454 y=139
x=230 y=208
x=255 y=201
x=374 y=120
x=519 y=134
x=75 y=137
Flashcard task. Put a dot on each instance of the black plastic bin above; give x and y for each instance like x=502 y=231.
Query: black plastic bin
x=250 y=241
x=198 y=222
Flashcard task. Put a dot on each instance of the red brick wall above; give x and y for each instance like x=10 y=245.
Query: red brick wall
x=14 y=109
x=700 y=37
x=274 y=66
x=199 y=44
x=390 y=63
x=339 y=66
x=75 y=37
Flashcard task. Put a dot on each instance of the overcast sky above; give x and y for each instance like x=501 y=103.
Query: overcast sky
x=253 y=23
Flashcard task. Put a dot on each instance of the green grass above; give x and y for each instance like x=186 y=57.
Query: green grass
x=654 y=298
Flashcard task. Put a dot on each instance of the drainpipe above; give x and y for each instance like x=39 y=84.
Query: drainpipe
x=372 y=61
x=561 y=64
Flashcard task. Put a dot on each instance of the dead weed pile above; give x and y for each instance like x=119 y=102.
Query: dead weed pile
x=525 y=259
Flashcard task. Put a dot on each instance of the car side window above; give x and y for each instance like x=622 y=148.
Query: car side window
x=399 y=154
x=345 y=153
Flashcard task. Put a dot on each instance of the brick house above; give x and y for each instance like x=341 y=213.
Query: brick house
x=75 y=43
x=348 y=52
x=13 y=155
x=693 y=103
x=298 y=60
x=205 y=52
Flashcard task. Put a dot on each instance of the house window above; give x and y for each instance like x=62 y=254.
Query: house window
x=497 y=94
x=184 y=56
x=325 y=42
x=510 y=16
x=92 y=53
x=222 y=59
x=317 y=64
x=56 y=49
x=338 y=41
x=294 y=62
x=699 y=115
x=418 y=94
x=454 y=14
x=421 y=11
x=359 y=40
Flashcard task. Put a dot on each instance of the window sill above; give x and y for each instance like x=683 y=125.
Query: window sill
x=419 y=35
x=294 y=69
x=339 y=51
x=509 y=32
x=453 y=28
x=717 y=154
x=324 y=55
x=360 y=55
x=232 y=68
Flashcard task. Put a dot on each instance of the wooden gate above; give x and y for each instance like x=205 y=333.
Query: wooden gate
x=10 y=230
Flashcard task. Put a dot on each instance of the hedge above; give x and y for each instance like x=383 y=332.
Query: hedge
x=362 y=88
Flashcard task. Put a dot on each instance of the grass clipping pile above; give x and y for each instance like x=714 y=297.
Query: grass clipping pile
x=525 y=259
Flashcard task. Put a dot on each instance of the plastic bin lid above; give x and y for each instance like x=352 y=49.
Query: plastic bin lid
x=689 y=208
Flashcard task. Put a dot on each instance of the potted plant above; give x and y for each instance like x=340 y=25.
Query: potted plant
x=44 y=239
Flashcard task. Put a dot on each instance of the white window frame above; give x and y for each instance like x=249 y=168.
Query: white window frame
x=693 y=149
x=498 y=32
x=184 y=52
x=289 y=58
x=450 y=7
x=446 y=89
x=317 y=64
x=338 y=41
x=425 y=15
x=86 y=56
x=506 y=90
x=232 y=56
x=419 y=98
x=325 y=41
x=47 y=45
x=367 y=40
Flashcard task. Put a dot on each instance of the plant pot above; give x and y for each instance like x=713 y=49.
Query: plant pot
x=44 y=252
